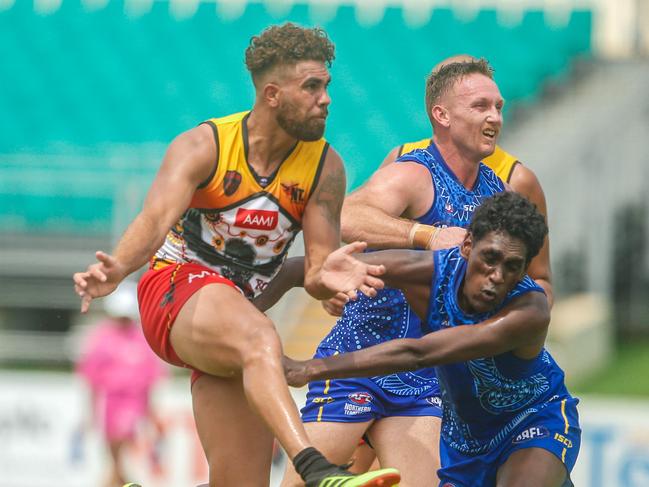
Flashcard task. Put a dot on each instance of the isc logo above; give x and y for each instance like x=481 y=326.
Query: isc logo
x=256 y=219
x=562 y=439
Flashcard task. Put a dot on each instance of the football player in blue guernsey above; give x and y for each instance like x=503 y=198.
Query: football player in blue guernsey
x=508 y=419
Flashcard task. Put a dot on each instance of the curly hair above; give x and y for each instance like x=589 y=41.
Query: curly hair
x=513 y=214
x=441 y=80
x=287 y=44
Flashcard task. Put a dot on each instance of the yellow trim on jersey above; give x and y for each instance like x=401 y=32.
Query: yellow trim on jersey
x=325 y=391
x=411 y=146
x=501 y=162
x=234 y=180
x=565 y=418
x=565 y=431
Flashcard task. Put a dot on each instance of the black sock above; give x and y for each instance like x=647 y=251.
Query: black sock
x=308 y=461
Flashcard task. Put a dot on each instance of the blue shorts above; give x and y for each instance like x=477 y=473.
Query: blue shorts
x=554 y=428
x=359 y=400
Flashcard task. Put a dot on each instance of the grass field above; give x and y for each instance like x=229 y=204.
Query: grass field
x=627 y=375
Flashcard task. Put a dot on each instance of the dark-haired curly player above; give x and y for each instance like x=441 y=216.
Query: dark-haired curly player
x=228 y=201
x=508 y=419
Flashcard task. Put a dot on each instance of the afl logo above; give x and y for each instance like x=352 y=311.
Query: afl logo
x=360 y=397
x=231 y=182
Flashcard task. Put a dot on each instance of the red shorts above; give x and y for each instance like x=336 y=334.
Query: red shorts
x=161 y=294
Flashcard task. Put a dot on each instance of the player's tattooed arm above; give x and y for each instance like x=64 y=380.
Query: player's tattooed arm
x=324 y=274
x=330 y=193
x=321 y=221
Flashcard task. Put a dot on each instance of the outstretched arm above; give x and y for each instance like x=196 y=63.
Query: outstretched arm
x=410 y=270
x=381 y=213
x=521 y=327
x=188 y=162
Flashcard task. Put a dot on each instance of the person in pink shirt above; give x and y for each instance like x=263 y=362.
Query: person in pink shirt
x=121 y=370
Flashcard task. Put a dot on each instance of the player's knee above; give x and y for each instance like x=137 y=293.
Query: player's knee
x=262 y=343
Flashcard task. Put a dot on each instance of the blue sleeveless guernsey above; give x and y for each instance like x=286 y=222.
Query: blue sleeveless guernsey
x=369 y=321
x=493 y=406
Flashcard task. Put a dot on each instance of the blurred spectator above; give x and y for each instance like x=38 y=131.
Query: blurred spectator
x=121 y=371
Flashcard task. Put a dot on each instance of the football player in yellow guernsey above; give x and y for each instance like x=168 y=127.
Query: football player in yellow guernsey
x=229 y=199
x=408 y=204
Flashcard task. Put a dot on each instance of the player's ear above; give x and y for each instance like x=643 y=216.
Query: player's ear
x=466 y=245
x=270 y=94
x=440 y=115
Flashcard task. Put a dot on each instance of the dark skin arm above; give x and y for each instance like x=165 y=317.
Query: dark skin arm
x=290 y=275
x=334 y=271
x=520 y=327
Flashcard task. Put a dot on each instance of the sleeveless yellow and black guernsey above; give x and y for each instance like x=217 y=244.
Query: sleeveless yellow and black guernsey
x=500 y=162
x=238 y=223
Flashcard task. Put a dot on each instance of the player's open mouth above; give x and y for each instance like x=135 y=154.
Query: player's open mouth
x=488 y=294
x=490 y=133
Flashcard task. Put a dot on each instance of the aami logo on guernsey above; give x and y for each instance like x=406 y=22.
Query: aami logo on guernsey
x=256 y=219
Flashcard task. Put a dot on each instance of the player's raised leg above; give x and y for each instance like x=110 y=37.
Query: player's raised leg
x=219 y=332
x=237 y=443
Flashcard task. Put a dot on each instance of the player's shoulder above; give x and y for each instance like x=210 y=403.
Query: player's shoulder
x=524 y=179
x=200 y=136
x=233 y=118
